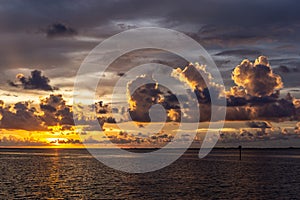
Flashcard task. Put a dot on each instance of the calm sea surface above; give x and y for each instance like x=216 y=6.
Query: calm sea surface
x=75 y=174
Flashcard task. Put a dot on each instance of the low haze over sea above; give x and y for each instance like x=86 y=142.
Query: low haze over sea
x=75 y=174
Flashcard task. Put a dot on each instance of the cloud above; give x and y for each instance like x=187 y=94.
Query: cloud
x=174 y=115
x=255 y=97
x=297 y=128
x=141 y=98
x=53 y=111
x=34 y=82
x=12 y=84
x=260 y=132
x=202 y=84
x=259 y=124
x=284 y=69
x=297 y=106
x=66 y=141
x=126 y=26
x=56 y=112
x=277 y=110
x=255 y=79
x=102 y=108
x=194 y=76
x=21 y=45
x=124 y=137
x=12 y=140
x=90 y=140
x=239 y=52
x=190 y=75
x=261 y=108
x=20 y=116
x=60 y=30
x=120 y=74
x=240 y=113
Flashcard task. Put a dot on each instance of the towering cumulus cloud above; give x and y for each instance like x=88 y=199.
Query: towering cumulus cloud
x=255 y=79
x=190 y=74
x=255 y=96
x=141 y=98
x=195 y=76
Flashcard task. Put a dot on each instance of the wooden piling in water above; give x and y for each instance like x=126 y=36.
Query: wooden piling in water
x=240 y=148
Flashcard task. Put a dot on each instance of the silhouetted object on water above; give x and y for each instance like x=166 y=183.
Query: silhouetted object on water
x=240 y=148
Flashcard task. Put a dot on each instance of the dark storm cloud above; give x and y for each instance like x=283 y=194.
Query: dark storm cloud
x=34 y=82
x=60 y=30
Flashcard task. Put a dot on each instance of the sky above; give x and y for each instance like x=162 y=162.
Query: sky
x=255 y=45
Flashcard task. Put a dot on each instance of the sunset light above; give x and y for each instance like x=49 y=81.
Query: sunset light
x=138 y=99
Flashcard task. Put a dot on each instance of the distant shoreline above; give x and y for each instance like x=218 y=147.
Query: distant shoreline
x=149 y=149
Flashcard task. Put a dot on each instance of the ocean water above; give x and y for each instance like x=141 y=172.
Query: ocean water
x=75 y=174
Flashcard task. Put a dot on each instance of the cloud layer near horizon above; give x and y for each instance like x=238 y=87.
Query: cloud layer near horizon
x=254 y=97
